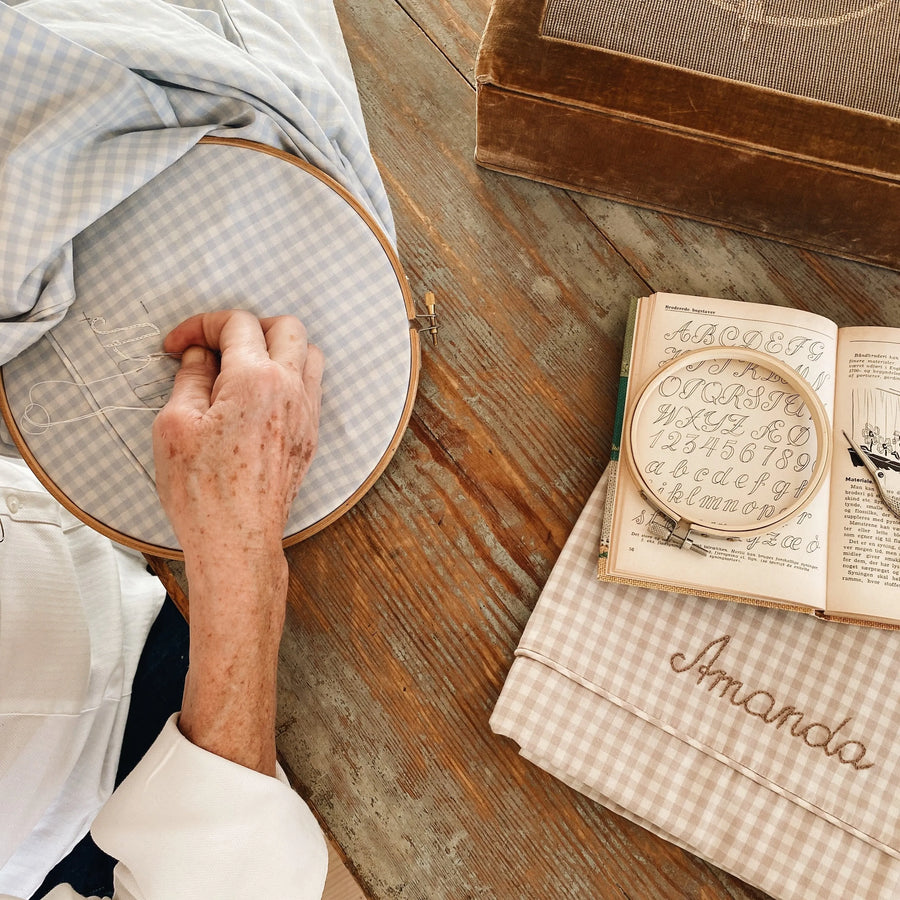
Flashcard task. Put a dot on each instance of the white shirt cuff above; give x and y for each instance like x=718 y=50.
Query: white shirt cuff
x=189 y=824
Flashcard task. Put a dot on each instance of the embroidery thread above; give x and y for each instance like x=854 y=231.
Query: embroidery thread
x=36 y=418
x=761 y=704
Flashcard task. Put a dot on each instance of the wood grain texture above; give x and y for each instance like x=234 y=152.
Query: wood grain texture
x=405 y=613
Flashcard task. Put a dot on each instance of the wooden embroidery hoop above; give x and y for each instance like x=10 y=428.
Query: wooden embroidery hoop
x=687 y=522
x=415 y=365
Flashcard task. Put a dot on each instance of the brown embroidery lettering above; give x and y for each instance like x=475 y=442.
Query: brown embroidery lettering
x=760 y=713
x=761 y=704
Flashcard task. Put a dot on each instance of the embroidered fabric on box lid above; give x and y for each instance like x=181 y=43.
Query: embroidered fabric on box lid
x=838 y=51
x=763 y=740
x=225 y=226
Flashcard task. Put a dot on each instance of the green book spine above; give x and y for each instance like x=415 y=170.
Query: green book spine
x=623 y=382
x=617 y=429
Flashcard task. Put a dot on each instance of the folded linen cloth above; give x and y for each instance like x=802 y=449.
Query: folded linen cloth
x=763 y=741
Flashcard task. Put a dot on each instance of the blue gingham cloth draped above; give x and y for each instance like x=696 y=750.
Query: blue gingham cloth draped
x=99 y=96
x=118 y=224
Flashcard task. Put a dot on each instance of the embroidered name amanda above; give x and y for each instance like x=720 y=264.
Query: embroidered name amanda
x=761 y=704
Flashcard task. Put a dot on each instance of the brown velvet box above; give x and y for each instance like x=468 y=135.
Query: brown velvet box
x=778 y=162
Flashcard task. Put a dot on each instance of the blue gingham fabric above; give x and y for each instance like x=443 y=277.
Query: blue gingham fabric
x=124 y=225
x=99 y=96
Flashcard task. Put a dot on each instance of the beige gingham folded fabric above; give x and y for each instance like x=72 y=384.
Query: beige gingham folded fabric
x=763 y=741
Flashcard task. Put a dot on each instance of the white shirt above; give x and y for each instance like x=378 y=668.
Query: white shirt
x=75 y=610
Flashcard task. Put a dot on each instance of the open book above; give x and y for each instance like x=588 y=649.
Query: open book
x=839 y=557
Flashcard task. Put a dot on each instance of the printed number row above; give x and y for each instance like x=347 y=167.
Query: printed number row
x=676 y=442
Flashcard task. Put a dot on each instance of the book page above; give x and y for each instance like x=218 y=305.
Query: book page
x=864 y=570
x=786 y=564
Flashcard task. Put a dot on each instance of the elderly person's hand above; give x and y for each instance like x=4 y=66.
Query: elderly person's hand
x=239 y=432
x=231 y=448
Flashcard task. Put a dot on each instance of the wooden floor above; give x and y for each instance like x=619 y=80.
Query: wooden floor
x=405 y=613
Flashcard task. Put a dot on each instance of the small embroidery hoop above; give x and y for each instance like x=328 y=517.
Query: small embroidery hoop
x=682 y=527
x=154 y=549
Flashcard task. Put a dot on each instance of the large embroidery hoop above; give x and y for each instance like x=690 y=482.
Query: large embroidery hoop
x=233 y=223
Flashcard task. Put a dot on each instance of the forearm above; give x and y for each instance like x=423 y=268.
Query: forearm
x=237 y=615
x=231 y=448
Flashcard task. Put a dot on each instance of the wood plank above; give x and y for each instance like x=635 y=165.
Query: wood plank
x=340 y=884
x=454 y=27
x=682 y=256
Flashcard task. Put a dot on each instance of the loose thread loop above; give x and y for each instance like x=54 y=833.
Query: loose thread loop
x=36 y=419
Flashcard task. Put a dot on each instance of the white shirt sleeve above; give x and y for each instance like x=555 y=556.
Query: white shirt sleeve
x=189 y=824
